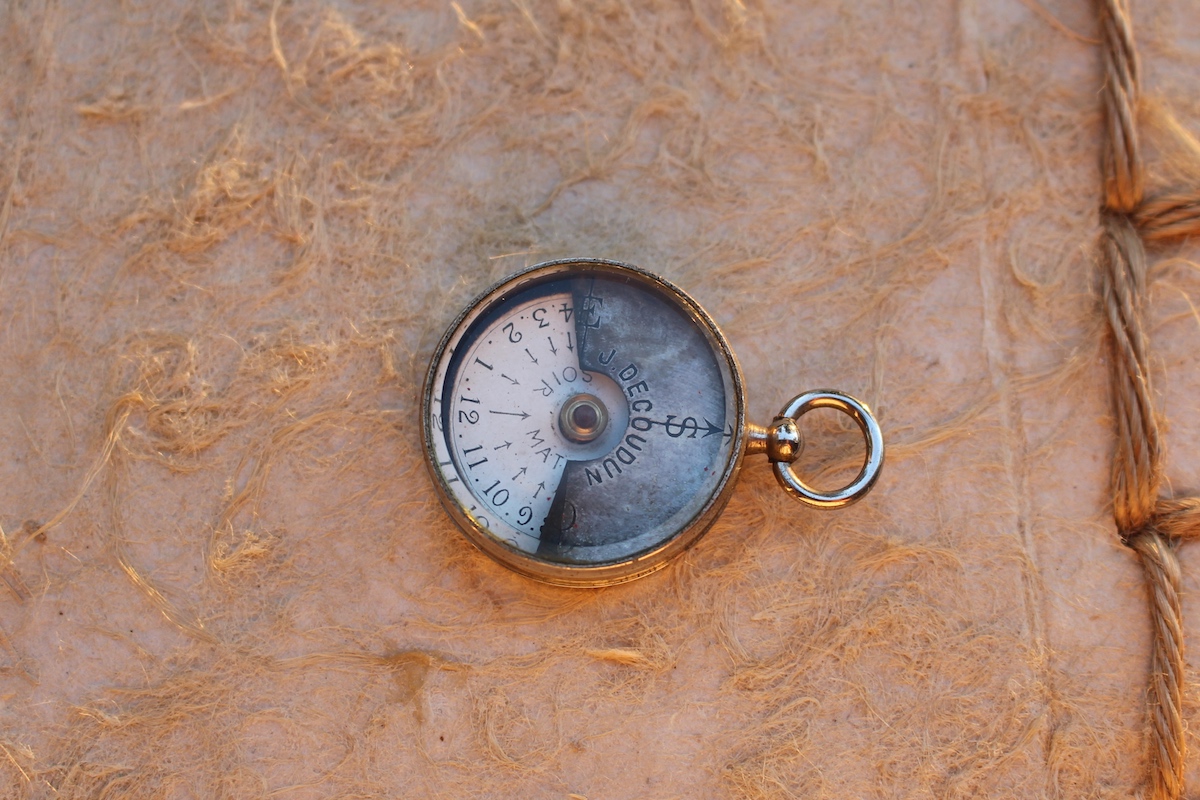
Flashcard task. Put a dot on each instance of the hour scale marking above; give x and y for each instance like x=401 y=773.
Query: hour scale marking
x=518 y=430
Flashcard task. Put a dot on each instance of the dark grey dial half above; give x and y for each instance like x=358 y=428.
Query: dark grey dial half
x=677 y=434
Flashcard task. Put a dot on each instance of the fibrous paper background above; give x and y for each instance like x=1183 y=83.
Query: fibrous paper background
x=232 y=233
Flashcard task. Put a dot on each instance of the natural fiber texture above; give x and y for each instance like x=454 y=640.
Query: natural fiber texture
x=1168 y=216
x=1144 y=521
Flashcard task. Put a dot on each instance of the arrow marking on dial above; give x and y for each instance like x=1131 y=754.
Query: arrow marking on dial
x=521 y=414
x=687 y=425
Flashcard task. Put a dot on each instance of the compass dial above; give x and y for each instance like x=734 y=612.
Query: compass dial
x=584 y=421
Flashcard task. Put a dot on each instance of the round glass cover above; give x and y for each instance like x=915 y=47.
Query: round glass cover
x=584 y=421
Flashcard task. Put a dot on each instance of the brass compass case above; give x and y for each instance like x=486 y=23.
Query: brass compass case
x=584 y=422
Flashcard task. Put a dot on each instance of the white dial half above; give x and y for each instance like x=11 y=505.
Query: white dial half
x=503 y=452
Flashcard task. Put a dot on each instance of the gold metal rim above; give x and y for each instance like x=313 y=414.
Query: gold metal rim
x=606 y=574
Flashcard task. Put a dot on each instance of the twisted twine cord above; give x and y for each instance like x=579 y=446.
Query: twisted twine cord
x=1137 y=463
x=1122 y=156
x=1147 y=523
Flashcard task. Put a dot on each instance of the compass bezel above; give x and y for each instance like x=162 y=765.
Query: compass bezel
x=603 y=573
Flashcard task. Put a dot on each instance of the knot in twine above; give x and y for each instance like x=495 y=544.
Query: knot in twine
x=1146 y=522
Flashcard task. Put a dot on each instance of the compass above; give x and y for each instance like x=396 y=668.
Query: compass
x=585 y=420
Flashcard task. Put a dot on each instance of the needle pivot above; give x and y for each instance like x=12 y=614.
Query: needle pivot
x=583 y=418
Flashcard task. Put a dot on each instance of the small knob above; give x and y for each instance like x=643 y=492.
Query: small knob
x=780 y=440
